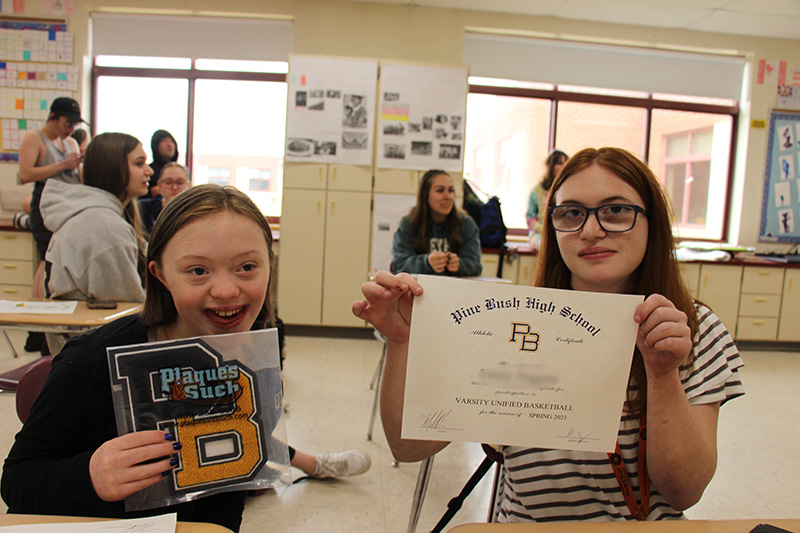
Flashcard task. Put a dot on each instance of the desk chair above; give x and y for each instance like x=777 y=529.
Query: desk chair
x=30 y=384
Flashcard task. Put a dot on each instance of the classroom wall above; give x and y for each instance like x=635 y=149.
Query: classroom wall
x=422 y=34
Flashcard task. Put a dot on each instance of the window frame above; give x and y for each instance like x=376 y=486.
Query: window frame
x=192 y=75
x=649 y=103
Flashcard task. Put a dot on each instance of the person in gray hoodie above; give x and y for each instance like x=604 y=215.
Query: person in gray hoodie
x=97 y=248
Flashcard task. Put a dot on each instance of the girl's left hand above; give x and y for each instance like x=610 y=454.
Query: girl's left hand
x=452 y=262
x=664 y=337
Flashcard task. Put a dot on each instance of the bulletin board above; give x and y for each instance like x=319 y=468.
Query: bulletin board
x=36 y=67
x=780 y=210
x=422 y=111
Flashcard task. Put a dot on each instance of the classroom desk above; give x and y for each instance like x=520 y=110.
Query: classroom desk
x=22 y=519
x=81 y=321
x=667 y=526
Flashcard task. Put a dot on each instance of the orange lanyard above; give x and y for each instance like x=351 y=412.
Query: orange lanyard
x=618 y=464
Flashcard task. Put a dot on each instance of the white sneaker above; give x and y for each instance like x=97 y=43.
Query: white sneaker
x=342 y=464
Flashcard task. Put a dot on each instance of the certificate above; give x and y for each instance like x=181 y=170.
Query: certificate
x=514 y=365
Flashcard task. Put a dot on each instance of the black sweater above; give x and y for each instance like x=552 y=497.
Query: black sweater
x=47 y=469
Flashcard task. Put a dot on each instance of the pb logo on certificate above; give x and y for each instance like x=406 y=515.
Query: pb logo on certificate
x=514 y=365
x=225 y=410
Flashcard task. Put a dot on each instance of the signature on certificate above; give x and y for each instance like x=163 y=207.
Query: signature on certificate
x=436 y=420
x=578 y=436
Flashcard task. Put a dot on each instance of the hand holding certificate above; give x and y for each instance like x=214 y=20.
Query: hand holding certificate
x=517 y=365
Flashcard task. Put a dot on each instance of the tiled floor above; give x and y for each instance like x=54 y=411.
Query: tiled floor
x=326 y=382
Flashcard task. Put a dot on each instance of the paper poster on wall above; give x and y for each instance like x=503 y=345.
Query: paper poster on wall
x=781 y=202
x=389 y=210
x=421 y=117
x=331 y=110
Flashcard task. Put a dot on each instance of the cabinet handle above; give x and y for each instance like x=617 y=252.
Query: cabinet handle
x=333 y=174
x=333 y=208
x=758 y=322
x=760 y=300
x=11 y=267
x=319 y=207
x=321 y=173
x=411 y=179
x=10 y=291
x=9 y=237
x=705 y=280
x=763 y=272
x=789 y=286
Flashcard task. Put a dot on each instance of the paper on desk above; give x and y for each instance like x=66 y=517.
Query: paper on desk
x=155 y=524
x=50 y=307
x=514 y=365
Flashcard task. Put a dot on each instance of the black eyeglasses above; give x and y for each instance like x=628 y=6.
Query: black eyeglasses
x=613 y=218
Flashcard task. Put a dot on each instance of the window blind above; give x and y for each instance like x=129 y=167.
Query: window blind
x=191 y=36
x=605 y=66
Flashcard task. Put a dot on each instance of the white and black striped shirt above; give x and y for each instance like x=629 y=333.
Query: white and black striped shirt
x=554 y=485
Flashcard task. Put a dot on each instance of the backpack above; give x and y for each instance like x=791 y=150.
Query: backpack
x=489 y=218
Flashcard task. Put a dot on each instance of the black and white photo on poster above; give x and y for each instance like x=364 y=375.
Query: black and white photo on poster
x=300 y=98
x=440 y=133
x=441 y=118
x=414 y=127
x=331 y=93
x=316 y=93
x=300 y=147
x=316 y=105
x=324 y=148
x=394 y=128
x=354 y=140
x=391 y=97
x=424 y=148
x=394 y=151
x=449 y=151
x=427 y=123
x=455 y=122
x=355 y=111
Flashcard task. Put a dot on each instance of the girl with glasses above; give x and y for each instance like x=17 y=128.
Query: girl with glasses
x=608 y=230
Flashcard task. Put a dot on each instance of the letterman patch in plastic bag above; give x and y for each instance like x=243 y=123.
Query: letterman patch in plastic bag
x=226 y=411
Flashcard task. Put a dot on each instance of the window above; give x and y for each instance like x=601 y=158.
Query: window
x=236 y=123
x=687 y=141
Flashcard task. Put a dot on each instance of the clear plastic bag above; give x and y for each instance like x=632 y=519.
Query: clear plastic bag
x=221 y=396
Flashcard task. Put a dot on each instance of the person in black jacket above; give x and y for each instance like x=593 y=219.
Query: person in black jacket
x=165 y=150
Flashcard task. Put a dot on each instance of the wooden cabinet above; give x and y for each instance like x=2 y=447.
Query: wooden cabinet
x=789 y=321
x=519 y=269
x=16 y=264
x=759 y=304
x=719 y=287
x=690 y=272
x=324 y=243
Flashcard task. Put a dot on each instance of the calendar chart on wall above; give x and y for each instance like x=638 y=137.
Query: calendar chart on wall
x=780 y=210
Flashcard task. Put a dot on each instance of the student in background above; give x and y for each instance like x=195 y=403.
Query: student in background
x=174 y=179
x=165 y=150
x=436 y=237
x=608 y=230
x=48 y=153
x=81 y=137
x=537 y=201
x=97 y=249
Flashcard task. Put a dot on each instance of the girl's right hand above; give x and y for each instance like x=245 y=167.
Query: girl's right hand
x=388 y=304
x=116 y=467
x=438 y=261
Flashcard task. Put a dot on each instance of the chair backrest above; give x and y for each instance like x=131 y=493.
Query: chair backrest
x=30 y=384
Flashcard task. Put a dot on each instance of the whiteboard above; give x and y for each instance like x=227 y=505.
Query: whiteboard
x=780 y=209
x=422 y=111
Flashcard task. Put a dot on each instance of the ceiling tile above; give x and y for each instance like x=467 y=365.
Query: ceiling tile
x=631 y=12
x=774 y=26
x=766 y=7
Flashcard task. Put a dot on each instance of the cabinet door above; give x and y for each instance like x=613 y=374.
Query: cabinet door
x=396 y=181
x=719 y=288
x=527 y=268
x=304 y=176
x=690 y=272
x=300 y=260
x=762 y=280
x=789 y=328
x=346 y=256
x=349 y=178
